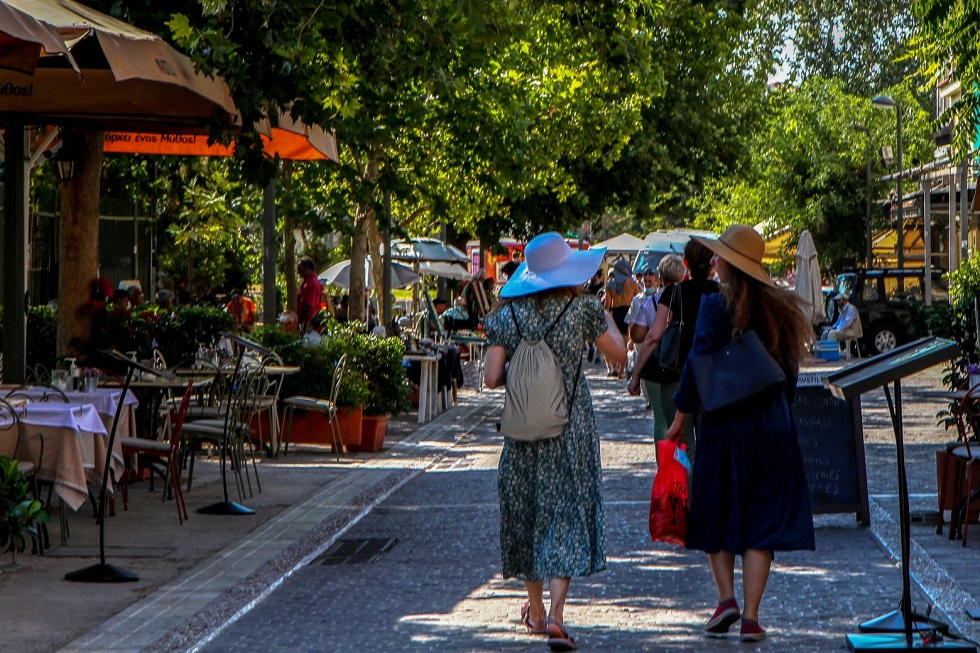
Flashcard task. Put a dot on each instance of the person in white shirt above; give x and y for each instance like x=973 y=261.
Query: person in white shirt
x=645 y=309
x=312 y=337
x=846 y=316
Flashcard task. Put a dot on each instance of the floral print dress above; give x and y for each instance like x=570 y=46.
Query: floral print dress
x=551 y=513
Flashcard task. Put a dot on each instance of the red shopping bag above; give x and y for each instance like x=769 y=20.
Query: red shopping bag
x=669 y=499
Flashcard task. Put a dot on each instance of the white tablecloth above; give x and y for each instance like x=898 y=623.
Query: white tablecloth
x=105 y=400
x=74 y=439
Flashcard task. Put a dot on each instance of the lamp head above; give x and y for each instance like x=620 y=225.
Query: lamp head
x=67 y=155
x=884 y=102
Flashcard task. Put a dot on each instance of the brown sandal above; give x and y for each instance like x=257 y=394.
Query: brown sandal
x=559 y=639
x=526 y=620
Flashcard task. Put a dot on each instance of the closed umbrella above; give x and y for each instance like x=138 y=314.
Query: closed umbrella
x=339 y=275
x=808 y=283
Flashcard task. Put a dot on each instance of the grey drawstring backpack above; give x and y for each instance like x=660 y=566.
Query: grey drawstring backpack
x=535 y=406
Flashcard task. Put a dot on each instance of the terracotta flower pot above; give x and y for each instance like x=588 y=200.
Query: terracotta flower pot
x=312 y=427
x=349 y=418
x=374 y=428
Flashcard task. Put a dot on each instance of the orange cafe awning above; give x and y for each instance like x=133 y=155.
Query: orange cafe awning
x=291 y=140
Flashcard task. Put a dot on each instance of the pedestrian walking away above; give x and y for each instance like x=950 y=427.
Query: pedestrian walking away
x=749 y=493
x=621 y=288
x=683 y=298
x=551 y=511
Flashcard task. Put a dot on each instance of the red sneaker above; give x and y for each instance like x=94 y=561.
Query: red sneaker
x=725 y=615
x=751 y=631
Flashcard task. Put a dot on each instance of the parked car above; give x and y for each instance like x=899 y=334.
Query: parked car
x=659 y=244
x=883 y=298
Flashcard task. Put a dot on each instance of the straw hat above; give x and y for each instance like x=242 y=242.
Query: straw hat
x=741 y=247
x=550 y=263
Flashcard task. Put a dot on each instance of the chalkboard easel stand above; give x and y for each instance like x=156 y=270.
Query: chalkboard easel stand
x=903 y=629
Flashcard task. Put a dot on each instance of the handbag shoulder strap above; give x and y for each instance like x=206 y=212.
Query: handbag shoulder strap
x=679 y=296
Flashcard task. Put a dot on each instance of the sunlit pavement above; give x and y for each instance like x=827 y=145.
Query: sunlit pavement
x=432 y=500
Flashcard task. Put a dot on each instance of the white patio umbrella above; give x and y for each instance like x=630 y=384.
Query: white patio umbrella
x=423 y=250
x=808 y=283
x=621 y=244
x=339 y=275
x=455 y=271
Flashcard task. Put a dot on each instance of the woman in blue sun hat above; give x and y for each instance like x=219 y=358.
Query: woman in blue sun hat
x=551 y=511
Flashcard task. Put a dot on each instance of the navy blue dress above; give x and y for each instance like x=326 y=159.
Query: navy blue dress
x=749 y=489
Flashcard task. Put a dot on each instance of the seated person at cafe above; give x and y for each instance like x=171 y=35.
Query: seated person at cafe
x=242 y=311
x=457 y=318
x=439 y=304
x=314 y=331
x=121 y=299
x=848 y=322
x=135 y=296
x=165 y=299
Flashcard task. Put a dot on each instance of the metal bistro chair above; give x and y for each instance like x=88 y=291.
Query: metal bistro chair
x=11 y=428
x=328 y=406
x=169 y=453
x=958 y=465
x=233 y=430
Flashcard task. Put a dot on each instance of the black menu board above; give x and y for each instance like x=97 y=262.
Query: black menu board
x=832 y=443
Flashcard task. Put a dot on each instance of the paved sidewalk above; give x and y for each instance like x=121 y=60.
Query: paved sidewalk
x=439 y=589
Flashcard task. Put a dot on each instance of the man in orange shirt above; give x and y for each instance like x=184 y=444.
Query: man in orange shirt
x=242 y=310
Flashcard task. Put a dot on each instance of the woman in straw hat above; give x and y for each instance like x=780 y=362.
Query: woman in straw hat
x=749 y=495
x=551 y=512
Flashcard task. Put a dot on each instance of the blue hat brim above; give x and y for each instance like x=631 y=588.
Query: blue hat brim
x=578 y=269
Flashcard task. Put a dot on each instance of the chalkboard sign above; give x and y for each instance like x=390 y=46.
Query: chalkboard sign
x=832 y=443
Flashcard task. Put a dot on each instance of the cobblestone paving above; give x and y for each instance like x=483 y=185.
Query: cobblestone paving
x=439 y=589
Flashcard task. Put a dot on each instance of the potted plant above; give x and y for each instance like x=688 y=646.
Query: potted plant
x=388 y=389
x=19 y=511
x=315 y=379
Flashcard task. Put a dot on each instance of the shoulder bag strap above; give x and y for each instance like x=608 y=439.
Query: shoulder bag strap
x=680 y=304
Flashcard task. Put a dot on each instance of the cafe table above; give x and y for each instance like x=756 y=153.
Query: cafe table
x=153 y=391
x=73 y=439
x=105 y=401
x=428 y=384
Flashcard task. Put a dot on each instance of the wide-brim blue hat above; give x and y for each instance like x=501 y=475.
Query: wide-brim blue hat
x=550 y=263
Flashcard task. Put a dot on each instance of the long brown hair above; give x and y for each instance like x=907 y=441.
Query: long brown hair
x=777 y=315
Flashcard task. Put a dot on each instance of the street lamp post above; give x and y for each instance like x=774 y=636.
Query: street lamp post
x=886 y=102
x=867 y=194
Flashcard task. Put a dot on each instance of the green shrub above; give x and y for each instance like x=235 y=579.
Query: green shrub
x=957 y=321
x=18 y=510
x=383 y=366
x=42 y=335
x=315 y=378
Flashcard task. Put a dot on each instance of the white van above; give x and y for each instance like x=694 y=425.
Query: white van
x=659 y=244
